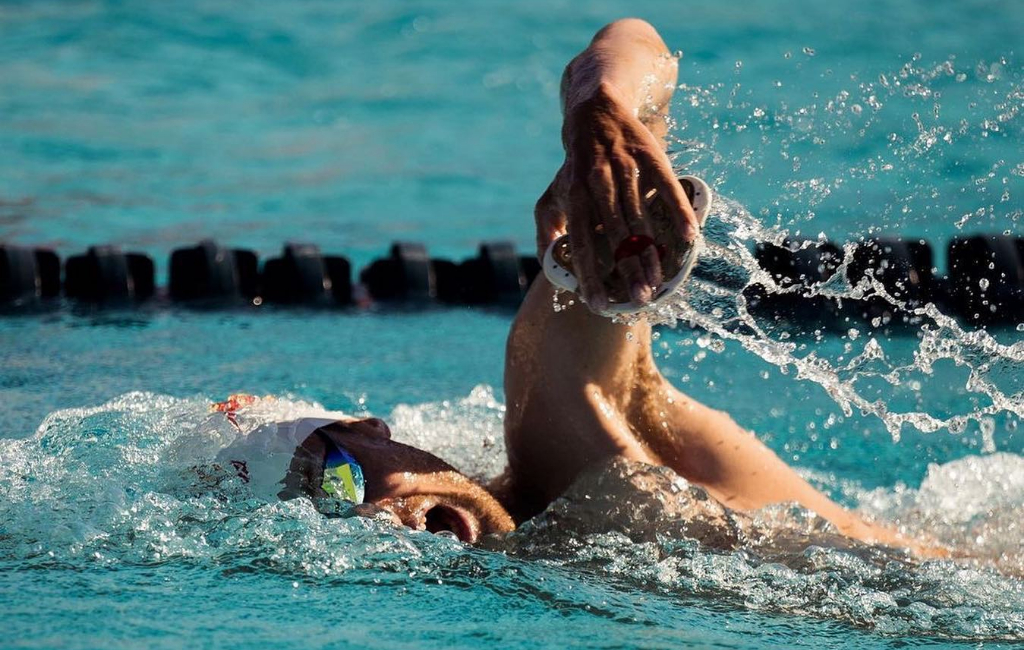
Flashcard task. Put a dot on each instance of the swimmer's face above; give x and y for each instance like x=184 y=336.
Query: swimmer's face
x=417 y=488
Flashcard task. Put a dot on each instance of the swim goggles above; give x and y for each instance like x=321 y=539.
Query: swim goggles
x=558 y=267
x=343 y=477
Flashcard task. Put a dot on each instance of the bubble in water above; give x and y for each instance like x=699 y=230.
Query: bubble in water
x=983 y=283
x=809 y=51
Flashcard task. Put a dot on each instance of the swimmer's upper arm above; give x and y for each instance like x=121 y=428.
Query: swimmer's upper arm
x=709 y=447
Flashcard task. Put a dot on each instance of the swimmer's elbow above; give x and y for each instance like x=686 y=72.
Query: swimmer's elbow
x=633 y=28
x=630 y=24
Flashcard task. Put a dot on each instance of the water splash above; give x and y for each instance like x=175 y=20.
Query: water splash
x=647 y=526
x=113 y=487
x=992 y=368
x=928 y=147
x=440 y=428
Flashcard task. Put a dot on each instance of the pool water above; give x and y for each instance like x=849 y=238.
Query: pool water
x=350 y=125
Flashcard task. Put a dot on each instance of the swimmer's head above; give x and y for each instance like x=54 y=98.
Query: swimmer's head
x=356 y=461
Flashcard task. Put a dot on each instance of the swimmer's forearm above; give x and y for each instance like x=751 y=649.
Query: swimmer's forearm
x=627 y=59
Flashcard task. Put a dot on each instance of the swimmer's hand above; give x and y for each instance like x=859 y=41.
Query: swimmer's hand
x=612 y=160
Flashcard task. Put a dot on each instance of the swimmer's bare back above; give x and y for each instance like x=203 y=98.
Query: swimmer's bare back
x=580 y=388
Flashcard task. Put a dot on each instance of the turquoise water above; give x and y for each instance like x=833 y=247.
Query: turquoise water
x=350 y=125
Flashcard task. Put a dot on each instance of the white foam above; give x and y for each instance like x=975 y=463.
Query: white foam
x=114 y=485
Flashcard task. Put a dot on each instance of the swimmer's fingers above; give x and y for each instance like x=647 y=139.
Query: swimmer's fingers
x=549 y=216
x=610 y=209
x=661 y=176
x=637 y=221
x=582 y=239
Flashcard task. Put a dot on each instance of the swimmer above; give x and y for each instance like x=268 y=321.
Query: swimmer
x=580 y=389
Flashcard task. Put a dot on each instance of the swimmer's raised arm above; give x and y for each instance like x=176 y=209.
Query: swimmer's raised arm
x=580 y=388
x=613 y=94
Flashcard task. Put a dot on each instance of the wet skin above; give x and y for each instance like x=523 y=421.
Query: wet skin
x=416 y=488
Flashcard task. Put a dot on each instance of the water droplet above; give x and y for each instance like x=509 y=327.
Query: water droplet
x=988 y=429
x=809 y=51
x=983 y=283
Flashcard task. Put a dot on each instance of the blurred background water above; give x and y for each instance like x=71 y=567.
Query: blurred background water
x=151 y=125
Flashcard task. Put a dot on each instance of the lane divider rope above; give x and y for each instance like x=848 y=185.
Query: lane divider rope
x=984 y=284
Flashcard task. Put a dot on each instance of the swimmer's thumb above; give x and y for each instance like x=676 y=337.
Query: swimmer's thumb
x=551 y=220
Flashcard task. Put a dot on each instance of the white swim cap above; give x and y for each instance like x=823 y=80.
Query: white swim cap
x=262 y=457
